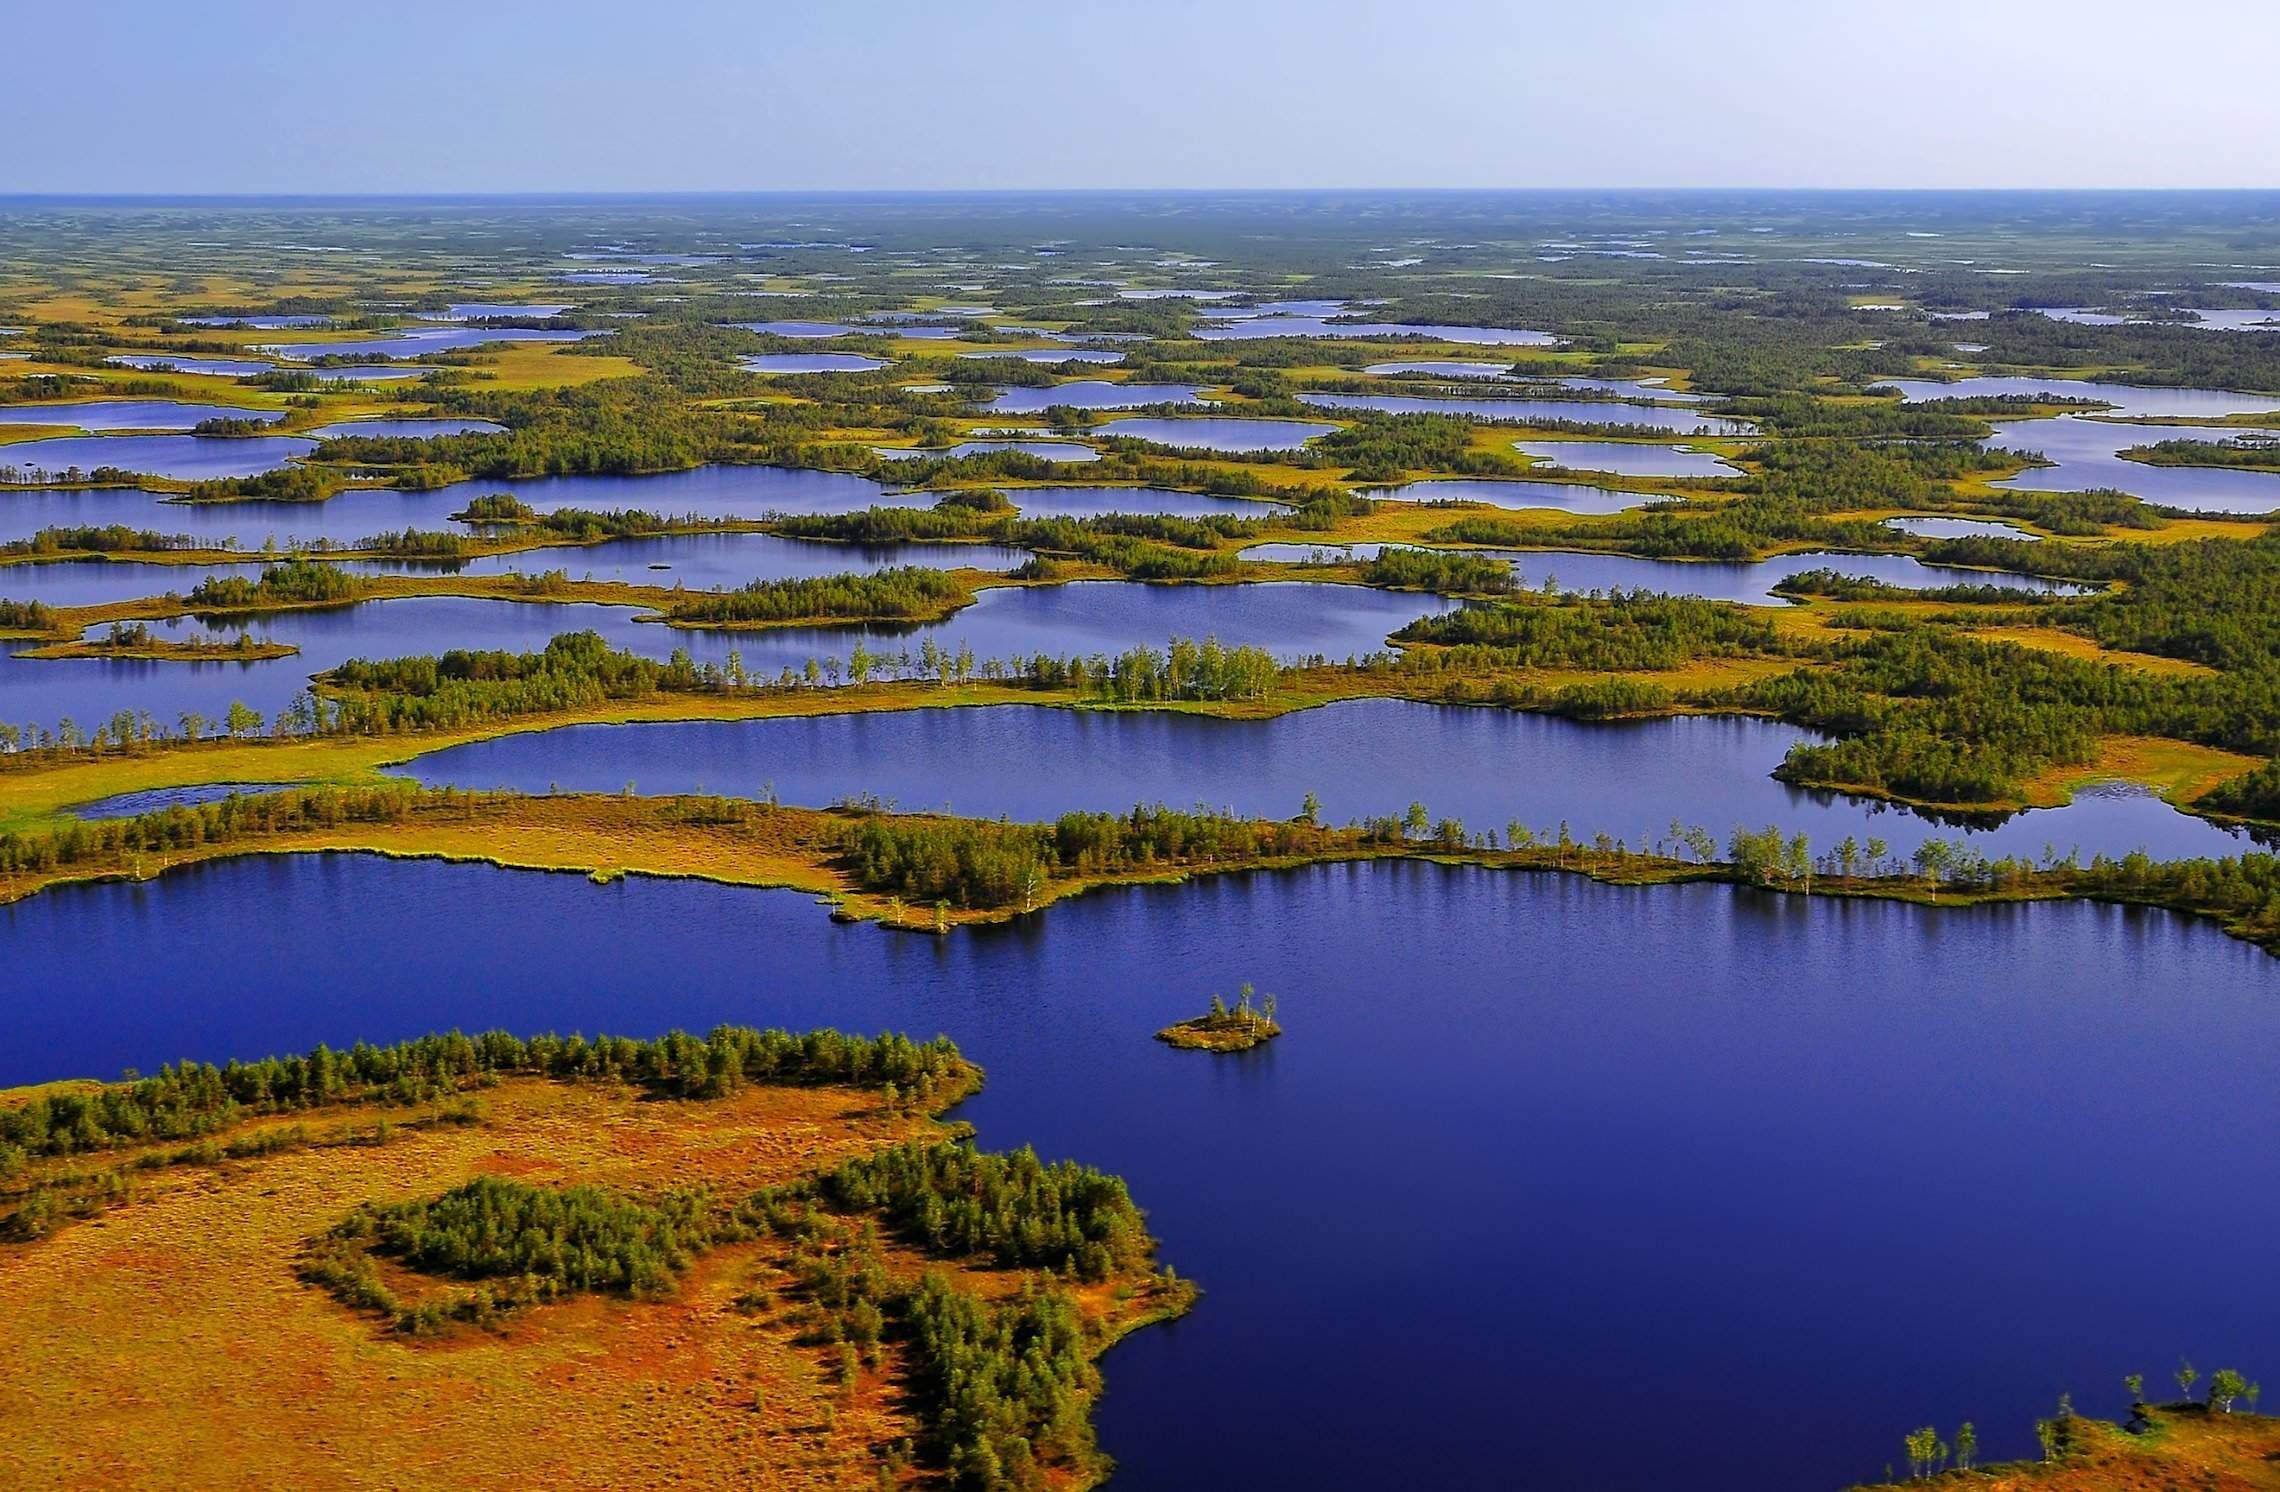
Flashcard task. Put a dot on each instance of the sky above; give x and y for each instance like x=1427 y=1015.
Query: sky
x=409 y=96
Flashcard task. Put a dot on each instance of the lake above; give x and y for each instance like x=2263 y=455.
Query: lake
x=2086 y=450
x=1959 y=528
x=405 y=429
x=1574 y=497
x=1092 y=394
x=810 y=362
x=1488 y=767
x=127 y=414
x=1217 y=434
x=704 y=562
x=1625 y=458
x=1044 y=450
x=212 y=367
x=2127 y=398
x=1540 y=411
x=1294 y=620
x=1055 y=355
x=182 y=457
x=417 y=341
x=1649 y=1143
x=1255 y=327
x=818 y=330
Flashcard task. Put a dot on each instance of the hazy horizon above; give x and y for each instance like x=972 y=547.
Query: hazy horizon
x=422 y=100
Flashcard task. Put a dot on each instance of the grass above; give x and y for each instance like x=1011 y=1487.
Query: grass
x=2185 y=1446
x=170 y=1343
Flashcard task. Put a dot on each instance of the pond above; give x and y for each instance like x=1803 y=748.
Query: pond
x=1085 y=502
x=1360 y=758
x=1291 y=619
x=189 y=458
x=816 y=330
x=258 y=323
x=471 y=310
x=1217 y=434
x=2127 y=398
x=811 y=362
x=1316 y=326
x=1626 y=458
x=127 y=414
x=212 y=367
x=2086 y=455
x=418 y=341
x=1540 y=411
x=405 y=429
x=1044 y=450
x=1645 y=1144
x=365 y=373
x=1092 y=394
x=1574 y=497
x=1930 y=527
x=1056 y=355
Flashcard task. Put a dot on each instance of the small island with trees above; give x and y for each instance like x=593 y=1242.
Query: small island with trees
x=1247 y=1025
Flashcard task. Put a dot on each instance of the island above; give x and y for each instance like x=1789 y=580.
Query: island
x=1224 y=1030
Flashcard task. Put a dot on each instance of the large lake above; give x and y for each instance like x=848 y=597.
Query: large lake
x=2127 y=398
x=126 y=414
x=187 y=458
x=2086 y=455
x=1535 y=1152
x=1488 y=767
x=1292 y=619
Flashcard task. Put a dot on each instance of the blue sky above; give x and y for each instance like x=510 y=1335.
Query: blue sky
x=653 y=95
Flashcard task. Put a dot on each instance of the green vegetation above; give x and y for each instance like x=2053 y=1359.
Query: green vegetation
x=1224 y=1030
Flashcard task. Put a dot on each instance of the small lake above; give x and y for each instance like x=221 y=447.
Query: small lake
x=1960 y=528
x=1573 y=497
x=1488 y=767
x=365 y=373
x=2127 y=398
x=405 y=429
x=182 y=457
x=704 y=562
x=472 y=310
x=1256 y=327
x=1218 y=434
x=1626 y=458
x=1056 y=355
x=816 y=330
x=258 y=323
x=1044 y=450
x=127 y=414
x=1585 y=1073
x=811 y=362
x=1086 y=502
x=1291 y=619
x=1092 y=394
x=2086 y=453
x=212 y=367
x=419 y=341
x=1540 y=411
x=1441 y=367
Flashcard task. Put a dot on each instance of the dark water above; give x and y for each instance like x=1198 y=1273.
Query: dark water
x=705 y=562
x=1217 y=434
x=1533 y=1150
x=1490 y=768
x=1289 y=619
x=1626 y=458
x=123 y=414
x=96 y=582
x=1089 y=393
x=1574 y=497
x=1539 y=411
x=2085 y=453
x=158 y=799
x=185 y=457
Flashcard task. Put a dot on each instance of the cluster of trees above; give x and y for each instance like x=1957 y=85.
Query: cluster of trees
x=290 y=582
x=188 y=1099
x=906 y=591
x=1624 y=631
x=294 y=484
x=2254 y=455
x=108 y=538
x=1014 y=1208
x=1450 y=572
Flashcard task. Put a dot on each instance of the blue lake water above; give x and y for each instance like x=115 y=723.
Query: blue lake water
x=1056 y=355
x=2127 y=398
x=1647 y=1145
x=97 y=582
x=1084 y=502
x=818 y=330
x=185 y=457
x=1047 y=450
x=1316 y=326
x=703 y=562
x=365 y=373
x=1625 y=458
x=1293 y=620
x=1217 y=434
x=258 y=323
x=213 y=367
x=127 y=414
x=1959 y=528
x=1539 y=411
x=811 y=362
x=1441 y=367
x=468 y=310
x=406 y=429
x=417 y=341
x=1092 y=394
x=1488 y=767
x=1573 y=497
x=2086 y=453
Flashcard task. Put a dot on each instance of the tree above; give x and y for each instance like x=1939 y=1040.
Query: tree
x=1416 y=820
x=2046 y=1435
x=2186 y=1374
x=2226 y=1385
x=242 y=719
x=1921 y=1446
x=1310 y=810
x=1966 y=1445
x=2135 y=1383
